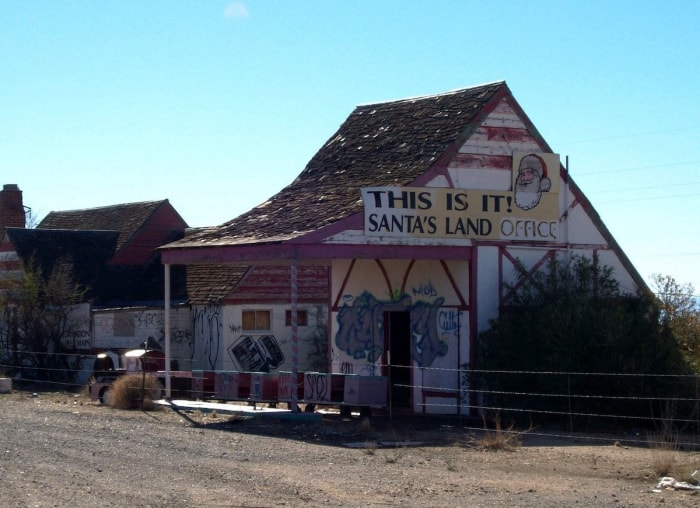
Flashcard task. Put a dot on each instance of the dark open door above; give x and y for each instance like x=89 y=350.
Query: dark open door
x=397 y=329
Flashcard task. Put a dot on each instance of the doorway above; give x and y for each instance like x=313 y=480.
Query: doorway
x=397 y=340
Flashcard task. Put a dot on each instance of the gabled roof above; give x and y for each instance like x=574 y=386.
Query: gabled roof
x=125 y=218
x=383 y=144
x=87 y=251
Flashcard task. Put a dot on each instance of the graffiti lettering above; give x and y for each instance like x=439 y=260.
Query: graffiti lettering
x=207 y=334
x=180 y=336
x=316 y=386
x=148 y=319
x=425 y=290
x=448 y=322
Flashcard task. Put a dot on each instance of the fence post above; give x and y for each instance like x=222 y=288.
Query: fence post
x=568 y=390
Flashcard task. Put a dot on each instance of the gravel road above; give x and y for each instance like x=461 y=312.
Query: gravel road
x=61 y=449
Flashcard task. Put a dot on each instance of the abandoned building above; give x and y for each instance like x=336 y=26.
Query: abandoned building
x=382 y=261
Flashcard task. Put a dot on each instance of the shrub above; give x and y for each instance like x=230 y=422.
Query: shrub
x=568 y=321
x=134 y=391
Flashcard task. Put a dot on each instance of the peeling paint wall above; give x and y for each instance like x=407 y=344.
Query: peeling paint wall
x=129 y=328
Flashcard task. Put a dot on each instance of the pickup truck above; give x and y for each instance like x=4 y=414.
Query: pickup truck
x=110 y=365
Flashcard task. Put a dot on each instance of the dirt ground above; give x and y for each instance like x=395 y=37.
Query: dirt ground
x=61 y=449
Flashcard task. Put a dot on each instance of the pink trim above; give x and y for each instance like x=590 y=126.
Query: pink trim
x=386 y=275
x=248 y=254
x=548 y=255
x=406 y=274
x=341 y=289
x=463 y=304
x=473 y=324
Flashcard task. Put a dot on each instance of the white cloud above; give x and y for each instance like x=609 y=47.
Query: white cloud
x=235 y=10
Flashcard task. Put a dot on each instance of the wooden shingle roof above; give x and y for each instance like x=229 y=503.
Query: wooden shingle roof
x=125 y=218
x=209 y=284
x=383 y=144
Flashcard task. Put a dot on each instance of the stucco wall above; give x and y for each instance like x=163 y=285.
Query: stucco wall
x=221 y=342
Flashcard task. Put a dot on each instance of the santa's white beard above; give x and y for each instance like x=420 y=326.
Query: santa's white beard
x=527 y=200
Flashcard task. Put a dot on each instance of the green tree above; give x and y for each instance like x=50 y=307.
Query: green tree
x=680 y=312
x=35 y=314
x=568 y=340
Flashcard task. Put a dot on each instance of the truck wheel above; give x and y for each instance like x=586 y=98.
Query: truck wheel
x=103 y=395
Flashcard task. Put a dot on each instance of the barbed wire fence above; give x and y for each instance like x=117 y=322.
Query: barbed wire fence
x=634 y=404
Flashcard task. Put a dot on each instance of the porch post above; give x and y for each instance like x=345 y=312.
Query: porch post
x=295 y=337
x=166 y=332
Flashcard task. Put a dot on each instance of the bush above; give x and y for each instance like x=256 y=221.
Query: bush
x=569 y=321
x=134 y=391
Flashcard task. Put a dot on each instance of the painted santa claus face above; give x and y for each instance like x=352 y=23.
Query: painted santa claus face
x=531 y=182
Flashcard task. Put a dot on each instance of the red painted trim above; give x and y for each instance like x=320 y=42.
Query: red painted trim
x=473 y=324
x=439 y=167
x=501 y=252
x=430 y=175
x=528 y=123
x=463 y=304
x=329 y=321
x=509 y=255
x=382 y=268
x=355 y=221
x=341 y=289
x=247 y=254
x=507 y=134
x=548 y=255
x=478 y=161
x=406 y=274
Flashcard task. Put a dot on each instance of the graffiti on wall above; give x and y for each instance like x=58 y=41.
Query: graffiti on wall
x=207 y=334
x=426 y=344
x=360 y=328
x=317 y=386
x=260 y=354
x=126 y=328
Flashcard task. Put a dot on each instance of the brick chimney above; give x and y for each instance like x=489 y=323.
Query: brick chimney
x=11 y=208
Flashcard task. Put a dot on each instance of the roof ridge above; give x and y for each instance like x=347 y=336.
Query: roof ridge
x=430 y=96
x=136 y=203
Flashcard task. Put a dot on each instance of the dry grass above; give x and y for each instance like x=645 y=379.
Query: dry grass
x=664 y=445
x=664 y=453
x=371 y=447
x=498 y=438
x=134 y=391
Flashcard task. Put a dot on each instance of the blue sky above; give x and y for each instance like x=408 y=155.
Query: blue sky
x=217 y=105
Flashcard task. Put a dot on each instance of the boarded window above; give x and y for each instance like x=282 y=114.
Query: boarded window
x=302 y=318
x=256 y=320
